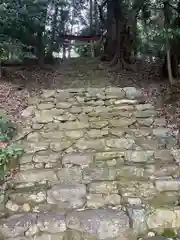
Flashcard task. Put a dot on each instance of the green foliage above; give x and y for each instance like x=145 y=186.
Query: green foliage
x=8 y=156
x=30 y=25
x=7 y=129
x=168 y=233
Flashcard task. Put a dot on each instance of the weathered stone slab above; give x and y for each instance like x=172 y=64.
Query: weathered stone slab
x=73 y=125
x=73 y=135
x=122 y=122
x=45 y=106
x=78 y=159
x=99 y=200
x=161 y=217
x=110 y=155
x=46 y=236
x=167 y=184
x=35 y=176
x=104 y=224
x=46 y=156
x=63 y=105
x=67 y=196
x=48 y=93
x=83 y=144
x=61 y=145
x=69 y=175
x=138 y=216
x=17 y=225
x=135 y=188
x=132 y=92
x=120 y=143
x=103 y=187
x=138 y=156
x=53 y=222
x=32 y=147
x=34 y=196
x=130 y=171
x=176 y=155
x=101 y=174
x=160 y=170
x=97 y=133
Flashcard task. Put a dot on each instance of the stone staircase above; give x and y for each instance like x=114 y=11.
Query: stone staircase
x=98 y=164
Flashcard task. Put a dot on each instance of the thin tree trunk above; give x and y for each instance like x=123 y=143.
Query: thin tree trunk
x=169 y=67
x=111 y=33
x=64 y=51
x=96 y=16
x=168 y=51
x=54 y=23
x=91 y=25
x=40 y=48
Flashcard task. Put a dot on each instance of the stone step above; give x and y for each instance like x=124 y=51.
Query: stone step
x=106 y=144
x=93 y=105
x=160 y=192
x=156 y=174
x=120 y=119
x=122 y=108
x=109 y=92
x=96 y=121
x=94 y=133
x=46 y=159
x=97 y=173
x=54 y=132
x=88 y=224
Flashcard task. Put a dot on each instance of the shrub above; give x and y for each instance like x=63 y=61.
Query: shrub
x=7 y=129
x=9 y=154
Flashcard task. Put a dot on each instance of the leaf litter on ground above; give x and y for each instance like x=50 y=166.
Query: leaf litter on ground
x=21 y=81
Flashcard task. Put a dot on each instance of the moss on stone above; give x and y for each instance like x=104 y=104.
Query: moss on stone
x=168 y=232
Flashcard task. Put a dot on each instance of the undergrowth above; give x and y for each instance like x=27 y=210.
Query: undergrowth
x=9 y=153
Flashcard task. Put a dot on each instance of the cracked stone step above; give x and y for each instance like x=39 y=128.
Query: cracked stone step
x=92 y=102
x=114 y=143
x=149 y=191
x=147 y=164
x=148 y=160
x=50 y=159
x=128 y=92
x=93 y=223
x=123 y=119
x=98 y=172
x=103 y=131
x=158 y=193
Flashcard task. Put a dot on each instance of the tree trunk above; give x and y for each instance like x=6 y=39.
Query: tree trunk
x=172 y=58
x=54 y=23
x=111 y=32
x=168 y=50
x=91 y=25
x=170 y=76
x=64 y=51
x=122 y=43
x=40 y=53
x=96 y=17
